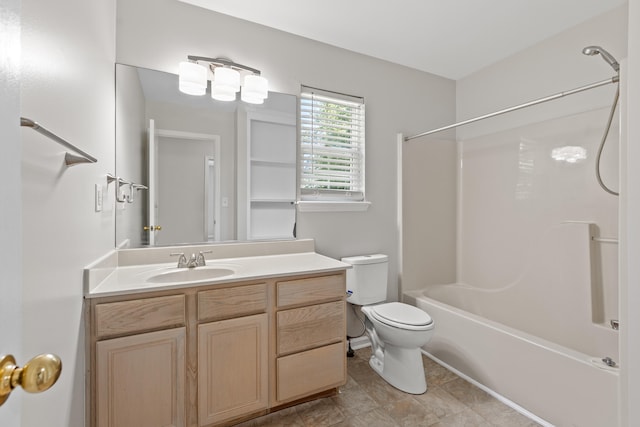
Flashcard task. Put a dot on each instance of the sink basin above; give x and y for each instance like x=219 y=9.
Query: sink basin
x=187 y=275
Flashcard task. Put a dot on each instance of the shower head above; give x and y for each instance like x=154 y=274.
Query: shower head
x=594 y=50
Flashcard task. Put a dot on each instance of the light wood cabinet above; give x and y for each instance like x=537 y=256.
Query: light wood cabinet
x=232 y=368
x=214 y=355
x=310 y=336
x=141 y=380
x=312 y=371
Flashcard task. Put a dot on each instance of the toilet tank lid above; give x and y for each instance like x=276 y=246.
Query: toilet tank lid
x=366 y=259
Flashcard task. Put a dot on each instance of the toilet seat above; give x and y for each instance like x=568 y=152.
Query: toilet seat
x=403 y=316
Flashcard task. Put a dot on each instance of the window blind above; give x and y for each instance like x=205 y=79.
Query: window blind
x=331 y=146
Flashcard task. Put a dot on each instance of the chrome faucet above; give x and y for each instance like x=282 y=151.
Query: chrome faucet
x=193 y=261
x=200 y=260
x=182 y=260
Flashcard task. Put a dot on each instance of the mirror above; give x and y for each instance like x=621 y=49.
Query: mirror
x=192 y=169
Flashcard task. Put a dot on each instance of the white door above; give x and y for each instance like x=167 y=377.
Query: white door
x=152 y=226
x=210 y=195
x=11 y=206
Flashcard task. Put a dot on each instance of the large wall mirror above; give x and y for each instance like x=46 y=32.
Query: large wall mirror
x=214 y=171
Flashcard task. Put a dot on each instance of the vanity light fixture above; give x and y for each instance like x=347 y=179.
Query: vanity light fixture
x=225 y=82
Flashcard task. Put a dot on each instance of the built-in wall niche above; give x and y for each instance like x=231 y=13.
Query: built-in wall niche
x=272 y=170
x=267 y=172
x=240 y=158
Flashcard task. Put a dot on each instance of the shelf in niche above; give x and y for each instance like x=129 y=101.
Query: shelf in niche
x=287 y=201
x=264 y=162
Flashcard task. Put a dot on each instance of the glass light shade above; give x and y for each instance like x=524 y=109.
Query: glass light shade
x=226 y=82
x=255 y=89
x=221 y=93
x=192 y=78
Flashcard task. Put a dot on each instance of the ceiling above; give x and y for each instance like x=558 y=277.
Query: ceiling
x=450 y=38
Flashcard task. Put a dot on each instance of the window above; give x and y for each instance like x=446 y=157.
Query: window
x=331 y=146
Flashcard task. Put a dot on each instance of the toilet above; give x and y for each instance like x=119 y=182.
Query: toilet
x=396 y=330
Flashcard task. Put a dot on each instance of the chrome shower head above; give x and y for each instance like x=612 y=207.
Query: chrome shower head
x=594 y=50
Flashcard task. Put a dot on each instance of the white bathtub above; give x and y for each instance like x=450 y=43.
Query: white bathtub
x=560 y=385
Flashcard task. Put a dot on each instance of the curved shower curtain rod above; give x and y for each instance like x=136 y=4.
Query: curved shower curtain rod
x=613 y=79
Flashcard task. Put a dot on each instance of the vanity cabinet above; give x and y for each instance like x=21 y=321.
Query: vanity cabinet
x=215 y=355
x=140 y=378
x=310 y=336
x=233 y=372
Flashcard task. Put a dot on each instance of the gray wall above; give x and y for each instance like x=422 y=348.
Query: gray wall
x=428 y=212
x=181 y=189
x=549 y=67
x=160 y=34
x=206 y=121
x=131 y=152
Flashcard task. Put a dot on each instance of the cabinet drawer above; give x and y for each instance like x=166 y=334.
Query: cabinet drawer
x=312 y=326
x=311 y=290
x=310 y=372
x=118 y=318
x=232 y=302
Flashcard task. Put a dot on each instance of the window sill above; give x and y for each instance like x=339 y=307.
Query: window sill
x=324 y=206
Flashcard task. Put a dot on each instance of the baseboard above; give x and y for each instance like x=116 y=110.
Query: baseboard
x=360 y=342
x=494 y=394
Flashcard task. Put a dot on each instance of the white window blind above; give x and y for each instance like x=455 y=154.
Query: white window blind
x=331 y=146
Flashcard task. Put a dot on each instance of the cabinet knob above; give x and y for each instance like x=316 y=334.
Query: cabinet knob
x=37 y=375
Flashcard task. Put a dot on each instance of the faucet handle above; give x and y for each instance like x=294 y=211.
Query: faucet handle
x=201 y=260
x=182 y=260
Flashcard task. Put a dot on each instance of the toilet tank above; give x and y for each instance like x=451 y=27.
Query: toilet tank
x=367 y=278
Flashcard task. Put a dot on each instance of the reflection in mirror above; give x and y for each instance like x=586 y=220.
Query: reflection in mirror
x=215 y=171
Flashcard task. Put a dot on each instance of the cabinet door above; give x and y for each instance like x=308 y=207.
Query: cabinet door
x=232 y=368
x=140 y=380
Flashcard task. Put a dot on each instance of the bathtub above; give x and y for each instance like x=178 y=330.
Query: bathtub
x=557 y=384
x=536 y=261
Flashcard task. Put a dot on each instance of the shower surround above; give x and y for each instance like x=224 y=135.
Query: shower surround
x=537 y=286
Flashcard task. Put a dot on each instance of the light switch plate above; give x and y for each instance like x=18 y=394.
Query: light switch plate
x=99 y=199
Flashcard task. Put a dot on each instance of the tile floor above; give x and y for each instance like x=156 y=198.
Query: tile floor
x=368 y=401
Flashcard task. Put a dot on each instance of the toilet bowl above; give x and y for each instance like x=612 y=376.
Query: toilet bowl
x=397 y=331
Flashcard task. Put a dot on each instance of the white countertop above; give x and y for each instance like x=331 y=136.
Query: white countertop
x=134 y=279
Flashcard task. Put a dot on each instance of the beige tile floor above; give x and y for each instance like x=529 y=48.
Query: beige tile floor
x=368 y=401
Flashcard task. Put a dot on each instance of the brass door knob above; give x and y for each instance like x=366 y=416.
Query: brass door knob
x=36 y=376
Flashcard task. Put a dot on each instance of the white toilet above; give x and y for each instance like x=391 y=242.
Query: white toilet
x=396 y=330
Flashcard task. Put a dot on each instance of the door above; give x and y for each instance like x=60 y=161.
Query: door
x=152 y=224
x=211 y=213
x=10 y=257
x=10 y=229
